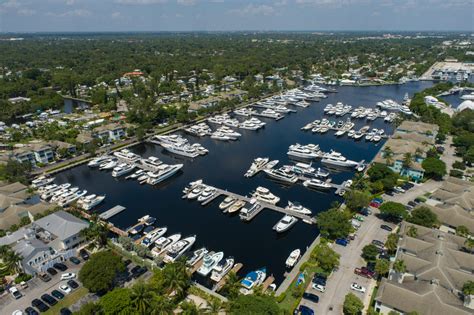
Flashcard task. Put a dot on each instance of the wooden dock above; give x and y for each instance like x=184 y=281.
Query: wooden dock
x=196 y=266
x=267 y=283
x=221 y=283
x=111 y=212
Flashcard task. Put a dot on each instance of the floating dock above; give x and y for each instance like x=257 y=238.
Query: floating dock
x=111 y=212
x=268 y=282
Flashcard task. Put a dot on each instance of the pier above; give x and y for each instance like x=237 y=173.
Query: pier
x=267 y=283
x=268 y=116
x=111 y=212
x=272 y=107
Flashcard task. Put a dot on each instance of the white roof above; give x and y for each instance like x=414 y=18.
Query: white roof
x=468 y=104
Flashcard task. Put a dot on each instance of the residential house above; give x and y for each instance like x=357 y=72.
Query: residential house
x=110 y=132
x=437 y=266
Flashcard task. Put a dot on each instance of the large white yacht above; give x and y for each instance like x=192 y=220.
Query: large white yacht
x=282 y=175
x=222 y=268
x=293 y=258
x=197 y=255
x=337 y=159
x=170 y=139
x=257 y=164
x=164 y=171
x=244 y=112
x=97 y=161
x=316 y=183
x=181 y=149
x=209 y=262
x=108 y=164
x=153 y=236
x=151 y=162
x=164 y=243
x=249 y=211
x=122 y=169
x=91 y=201
x=263 y=194
x=285 y=223
x=179 y=248
x=309 y=151
x=297 y=207
x=206 y=194
x=127 y=156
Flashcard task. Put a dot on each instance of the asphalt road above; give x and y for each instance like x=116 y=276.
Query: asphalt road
x=338 y=284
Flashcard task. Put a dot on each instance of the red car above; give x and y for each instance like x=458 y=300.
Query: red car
x=364 y=272
x=374 y=204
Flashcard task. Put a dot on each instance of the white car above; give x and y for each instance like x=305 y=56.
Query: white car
x=319 y=287
x=358 y=288
x=17 y=312
x=65 y=288
x=67 y=276
x=15 y=293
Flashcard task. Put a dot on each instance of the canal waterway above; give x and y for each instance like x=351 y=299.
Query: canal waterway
x=253 y=243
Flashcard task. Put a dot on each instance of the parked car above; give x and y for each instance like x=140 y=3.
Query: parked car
x=311 y=297
x=389 y=193
x=73 y=284
x=356 y=224
x=40 y=305
x=127 y=262
x=377 y=200
x=319 y=287
x=60 y=266
x=342 y=241
x=57 y=294
x=412 y=203
x=44 y=277
x=378 y=243
x=66 y=289
x=358 y=288
x=359 y=218
x=74 y=260
x=399 y=189
x=65 y=311
x=67 y=276
x=31 y=311
x=304 y=310
x=52 y=271
x=386 y=228
x=49 y=299
x=23 y=285
x=15 y=293
x=374 y=204
x=365 y=211
x=364 y=272
x=84 y=254
x=319 y=280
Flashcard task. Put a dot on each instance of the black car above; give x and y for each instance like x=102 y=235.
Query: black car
x=84 y=254
x=390 y=193
x=49 y=299
x=31 y=311
x=135 y=269
x=44 y=277
x=65 y=311
x=311 y=297
x=74 y=260
x=127 y=262
x=319 y=280
x=304 y=310
x=378 y=243
x=412 y=203
x=57 y=294
x=40 y=305
x=60 y=266
x=386 y=228
x=73 y=284
x=52 y=271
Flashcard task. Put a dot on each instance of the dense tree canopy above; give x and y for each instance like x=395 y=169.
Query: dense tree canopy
x=393 y=210
x=423 y=216
x=434 y=168
x=250 y=304
x=99 y=272
x=333 y=223
x=325 y=257
x=352 y=305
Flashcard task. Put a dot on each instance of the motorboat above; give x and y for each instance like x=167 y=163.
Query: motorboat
x=98 y=160
x=316 y=183
x=206 y=194
x=337 y=159
x=127 y=156
x=222 y=268
x=108 y=164
x=192 y=185
x=136 y=174
x=198 y=254
x=122 y=169
x=253 y=279
x=227 y=202
x=89 y=203
x=247 y=213
x=263 y=194
x=285 y=223
x=221 y=136
x=147 y=219
x=42 y=181
x=297 y=207
x=196 y=191
x=164 y=243
x=210 y=260
x=282 y=175
x=304 y=151
x=170 y=139
x=293 y=258
x=151 y=163
x=201 y=150
x=181 y=149
x=236 y=206
x=153 y=236
x=164 y=171
x=177 y=249
x=136 y=229
x=257 y=164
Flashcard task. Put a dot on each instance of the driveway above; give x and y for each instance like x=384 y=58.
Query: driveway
x=36 y=288
x=338 y=284
x=419 y=190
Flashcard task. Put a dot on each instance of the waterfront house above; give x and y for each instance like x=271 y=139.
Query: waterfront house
x=36 y=152
x=436 y=268
x=110 y=132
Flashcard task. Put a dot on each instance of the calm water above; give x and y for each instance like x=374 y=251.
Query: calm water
x=254 y=244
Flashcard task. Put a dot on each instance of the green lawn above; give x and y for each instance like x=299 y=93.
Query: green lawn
x=67 y=301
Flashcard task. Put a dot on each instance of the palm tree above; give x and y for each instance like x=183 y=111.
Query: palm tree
x=412 y=231
x=391 y=243
x=214 y=306
x=232 y=285
x=162 y=306
x=142 y=297
x=399 y=266
x=176 y=278
x=190 y=308
x=407 y=160
x=469 y=243
x=12 y=261
x=388 y=154
x=96 y=233
x=418 y=152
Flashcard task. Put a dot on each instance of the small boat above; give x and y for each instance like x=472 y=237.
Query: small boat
x=316 y=183
x=236 y=206
x=198 y=254
x=147 y=220
x=297 y=207
x=285 y=223
x=227 y=202
x=210 y=261
x=179 y=248
x=221 y=269
x=206 y=194
x=137 y=229
x=164 y=243
x=253 y=279
x=195 y=192
x=293 y=258
x=152 y=236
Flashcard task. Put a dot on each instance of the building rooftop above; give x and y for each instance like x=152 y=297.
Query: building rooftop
x=61 y=224
x=418 y=126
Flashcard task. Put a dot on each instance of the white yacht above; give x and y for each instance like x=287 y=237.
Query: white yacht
x=177 y=249
x=201 y=150
x=246 y=214
x=181 y=149
x=91 y=202
x=127 y=156
x=209 y=262
x=164 y=171
x=227 y=202
x=164 y=243
x=282 y=175
x=98 y=160
x=41 y=181
x=222 y=268
x=231 y=123
x=236 y=206
x=253 y=279
x=270 y=113
x=206 y=194
x=108 y=164
x=285 y=223
x=228 y=131
x=297 y=207
x=171 y=139
x=304 y=151
x=198 y=254
x=263 y=194
x=67 y=201
x=244 y=112
x=191 y=186
x=196 y=192
x=154 y=235
x=257 y=164
x=337 y=159
x=316 y=183
x=122 y=169
x=221 y=136
x=293 y=258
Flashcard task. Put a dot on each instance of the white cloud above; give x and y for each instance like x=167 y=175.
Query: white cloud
x=71 y=13
x=116 y=15
x=26 y=12
x=187 y=2
x=140 y=2
x=252 y=9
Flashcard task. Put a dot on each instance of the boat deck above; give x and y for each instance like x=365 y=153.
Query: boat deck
x=111 y=212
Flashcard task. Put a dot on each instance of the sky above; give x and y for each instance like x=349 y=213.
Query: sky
x=232 y=15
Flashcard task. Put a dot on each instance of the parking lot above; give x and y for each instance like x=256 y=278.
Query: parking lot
x=339 y=282
x=36 y=288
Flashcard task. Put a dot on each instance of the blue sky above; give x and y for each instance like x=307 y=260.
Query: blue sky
x=224 y=15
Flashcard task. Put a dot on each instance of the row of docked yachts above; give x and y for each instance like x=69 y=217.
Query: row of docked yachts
x=392 y=105
x=226 y=120
x=64 y=195
x=345 y=127
x=179 y=145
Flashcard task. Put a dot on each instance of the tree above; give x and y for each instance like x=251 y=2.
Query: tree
x=325 y=257
x=356 y=199
x=423 y=216
x=393 y=210
x=407 y=160
x=333 y=223
x=352 y=305
x=434 y=168
x=382 y=267
x=469 y=243
x=250 y=304
x=412 y=231
x=117 y=301
x=468 y=288
x=370 y=252
x=388 y=155
x=99 y=272
x=142 y=298
x=173 y=277
x=391 y=243
x=15 y=171
x=381 y=176
x=10 y=260
x=462 y=231
x=214 y=306
x=96 y=232
x=90 y=308
x=232 y=285
x=399 y=266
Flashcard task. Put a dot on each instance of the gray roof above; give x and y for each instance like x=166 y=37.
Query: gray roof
x=29 y=247
x=62 y=224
